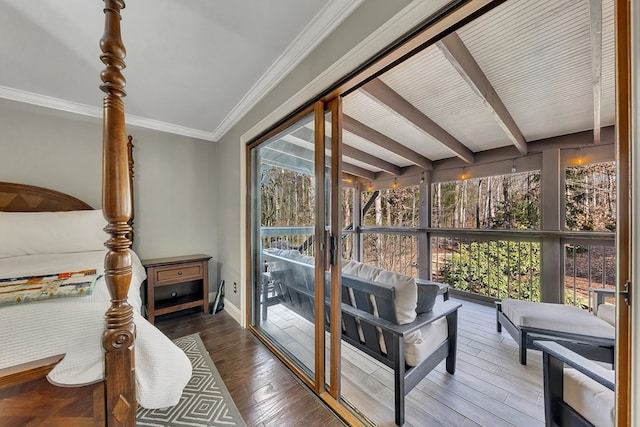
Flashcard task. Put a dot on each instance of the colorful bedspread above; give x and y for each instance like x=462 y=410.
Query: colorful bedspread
x=35 y=288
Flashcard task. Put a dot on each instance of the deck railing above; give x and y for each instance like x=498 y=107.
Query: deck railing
x=588 y=265
x=493 y=267
x=484 y=264
x=300 y=238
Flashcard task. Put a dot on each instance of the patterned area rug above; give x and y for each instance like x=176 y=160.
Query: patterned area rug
x=205 y=400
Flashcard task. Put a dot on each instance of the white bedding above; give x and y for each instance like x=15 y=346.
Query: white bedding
x=75 y=325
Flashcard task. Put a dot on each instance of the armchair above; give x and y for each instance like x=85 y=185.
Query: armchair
x=577 y=391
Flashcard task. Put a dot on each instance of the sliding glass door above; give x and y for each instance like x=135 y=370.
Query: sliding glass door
x=290 y=250
x=283 y=250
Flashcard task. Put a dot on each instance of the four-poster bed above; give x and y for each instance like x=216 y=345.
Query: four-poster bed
x=112 y=398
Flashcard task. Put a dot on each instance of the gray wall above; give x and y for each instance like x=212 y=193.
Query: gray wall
x=175 y=176
x=230 y=156
x=188 y=192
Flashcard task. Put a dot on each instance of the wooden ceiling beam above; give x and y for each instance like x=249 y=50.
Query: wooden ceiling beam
x=383 y=141
x=371 y=160
x=595 y=15
x=289 y=149
x=379 y=91
x=307 y=134
x=458 y=55
x=358 y=171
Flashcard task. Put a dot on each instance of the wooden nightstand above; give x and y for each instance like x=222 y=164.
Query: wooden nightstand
x=176 y=283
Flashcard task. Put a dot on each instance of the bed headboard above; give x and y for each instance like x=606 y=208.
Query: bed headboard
x=29 y=198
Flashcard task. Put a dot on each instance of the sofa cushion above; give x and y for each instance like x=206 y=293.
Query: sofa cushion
x=301 y=274
x=589 y=398
x=427 y=293
x=406 y=296
x=349 y=266
x=361 y=271
x=420 y=344
x=406 y=293
x=607 y=312
x=556 y=317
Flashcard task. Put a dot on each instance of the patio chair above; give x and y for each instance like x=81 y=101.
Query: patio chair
x=588 y=335
x=577 y=391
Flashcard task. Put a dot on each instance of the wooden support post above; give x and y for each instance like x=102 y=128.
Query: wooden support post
x=424 y=239
x=551 y=282
x=119 y=336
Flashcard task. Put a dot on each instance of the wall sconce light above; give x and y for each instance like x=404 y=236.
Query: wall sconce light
x=394 y=185
x=422 y=178
x=464 y=175
x=513 y=166
x=370 y=186
x=580 y=160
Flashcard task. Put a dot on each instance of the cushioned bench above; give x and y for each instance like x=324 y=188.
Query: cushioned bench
x=378 y=317
x=575 y=328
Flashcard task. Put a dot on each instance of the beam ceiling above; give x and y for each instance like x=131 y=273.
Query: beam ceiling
x=307 y=134
x=382 y=93
x=381 y=140
x=459 y=56
x=294 y=150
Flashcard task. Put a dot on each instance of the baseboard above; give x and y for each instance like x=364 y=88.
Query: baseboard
x=233 y=311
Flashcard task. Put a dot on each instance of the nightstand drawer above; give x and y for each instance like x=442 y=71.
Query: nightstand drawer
x=178 y=273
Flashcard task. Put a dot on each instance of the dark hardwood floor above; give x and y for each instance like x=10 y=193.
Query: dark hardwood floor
x=264 y=390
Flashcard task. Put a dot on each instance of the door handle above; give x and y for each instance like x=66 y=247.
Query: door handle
x=330 y=250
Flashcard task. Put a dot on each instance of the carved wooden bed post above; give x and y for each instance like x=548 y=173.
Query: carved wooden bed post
x=119 y=335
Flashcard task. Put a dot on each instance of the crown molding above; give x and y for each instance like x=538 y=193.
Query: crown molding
x=405 y=20
x=327 y=20
x=146 y=123
x=49 y=102
x=90 y=111
x=331 y=15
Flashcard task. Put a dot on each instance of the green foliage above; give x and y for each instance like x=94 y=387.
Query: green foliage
x=578 y=301
x=497 y=269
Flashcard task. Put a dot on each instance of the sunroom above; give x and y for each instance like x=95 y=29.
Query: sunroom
x=478 y=153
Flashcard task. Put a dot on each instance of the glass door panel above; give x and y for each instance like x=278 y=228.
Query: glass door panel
x=284 y=215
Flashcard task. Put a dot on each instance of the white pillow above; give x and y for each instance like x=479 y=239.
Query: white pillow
x=30 y=233
x=406 y=294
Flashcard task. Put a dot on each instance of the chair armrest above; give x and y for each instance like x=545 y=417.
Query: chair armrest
x=440 y=310
x=278 y=277
x=442 y=287
x=581 y=364
x=601 y=294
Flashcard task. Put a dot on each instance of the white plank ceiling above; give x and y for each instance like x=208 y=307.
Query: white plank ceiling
x=536 y=56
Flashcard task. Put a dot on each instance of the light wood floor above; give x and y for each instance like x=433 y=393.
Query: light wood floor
x=489 y=388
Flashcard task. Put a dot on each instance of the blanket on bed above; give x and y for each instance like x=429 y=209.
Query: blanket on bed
x=74 y=326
